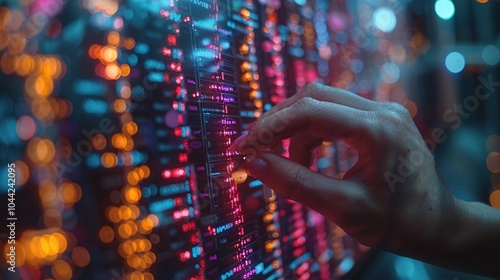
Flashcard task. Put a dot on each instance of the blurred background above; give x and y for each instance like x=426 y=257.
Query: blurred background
x=81 y=82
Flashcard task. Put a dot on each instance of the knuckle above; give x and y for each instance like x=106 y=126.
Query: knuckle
x=388 y=119
x=310 y=90
x=393 y=121
x=305 y=103
x=398 y=109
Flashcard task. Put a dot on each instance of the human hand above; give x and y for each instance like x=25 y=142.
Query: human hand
x=387 y=197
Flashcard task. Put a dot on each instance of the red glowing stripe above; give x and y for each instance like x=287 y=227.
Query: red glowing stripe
x=173 y=173
x=166 y=51
x=185 y=256
x=179 y=214
x=189 y=226
x=171 y=39
x=299 y=251
x=183 y=157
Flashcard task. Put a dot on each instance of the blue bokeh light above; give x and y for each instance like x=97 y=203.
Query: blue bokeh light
x=455 y=62
x=445 y=9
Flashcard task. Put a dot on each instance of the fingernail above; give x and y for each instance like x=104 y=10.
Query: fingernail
x=257 y=168
x=236 y=142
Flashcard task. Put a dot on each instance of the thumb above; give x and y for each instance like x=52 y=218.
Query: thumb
x=296 y=182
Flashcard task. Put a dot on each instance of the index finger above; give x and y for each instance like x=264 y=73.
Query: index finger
x=328 y=94
x=320 y=119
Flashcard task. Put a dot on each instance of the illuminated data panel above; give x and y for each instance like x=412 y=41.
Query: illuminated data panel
x=196 y=83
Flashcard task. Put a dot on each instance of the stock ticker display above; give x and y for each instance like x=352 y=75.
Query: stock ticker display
x=121 y=114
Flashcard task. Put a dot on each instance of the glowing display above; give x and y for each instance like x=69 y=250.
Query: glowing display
x=122 y=113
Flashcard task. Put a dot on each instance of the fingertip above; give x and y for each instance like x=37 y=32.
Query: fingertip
x=234 y=146
x=257 y=168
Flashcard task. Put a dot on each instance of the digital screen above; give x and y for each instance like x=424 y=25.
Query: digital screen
x=118 y=117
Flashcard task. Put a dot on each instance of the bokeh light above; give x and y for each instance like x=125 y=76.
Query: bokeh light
x=69 y=193
x=22 y=173
x=239 y=176
x=493 y=143
x=62 y=270
x=491 y=54
x=495 y=199
x=109 y=160
x=80 y=256
x=445 y=9
x=389 y=73
x=493 y=162
x=99 y=142
x=41 y=150
x=106 y=234
x=455 y=62
x=412 y=107
x=384 y=19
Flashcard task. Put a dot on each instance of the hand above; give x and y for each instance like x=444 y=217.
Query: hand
x=392 y=197
x=390 y=193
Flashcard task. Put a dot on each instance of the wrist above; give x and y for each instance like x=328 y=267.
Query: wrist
x=476 y=227
x=460 y=232
x=429 y=222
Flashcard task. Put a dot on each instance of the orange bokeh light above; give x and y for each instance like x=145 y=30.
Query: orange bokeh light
x=108 y=54
x=43 y=85
x=40 y=150
x=113 y=38
x=130 y=128
x=69 y=193
x=95 y=51
x=22 y=173
x=106 y=234
x=99 y=142
x=125 y=70
x=24 y=65
x=119 y=141
x=109 y=160
x=132 y=194
x=493 y=162
x=114 y=214
x=112 y=72
x=129 y=43
x=7 y=63
x=495 y=199
x=62 y=270
x=80 y=257
x=412 y=107
x=120 y=105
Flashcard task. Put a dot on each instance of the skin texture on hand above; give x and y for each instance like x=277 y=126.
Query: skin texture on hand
x=392 y=197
